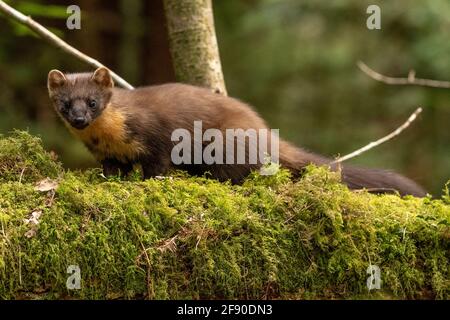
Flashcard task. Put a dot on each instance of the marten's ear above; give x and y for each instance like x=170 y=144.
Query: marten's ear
x=103 y=78
x=56 y=79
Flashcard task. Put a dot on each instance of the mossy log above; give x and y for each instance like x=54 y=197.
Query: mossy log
x=195 y=238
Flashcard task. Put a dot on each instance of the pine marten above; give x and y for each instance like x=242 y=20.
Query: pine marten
x=126 y=127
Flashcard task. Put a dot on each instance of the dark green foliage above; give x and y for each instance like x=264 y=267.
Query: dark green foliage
x=195 y=238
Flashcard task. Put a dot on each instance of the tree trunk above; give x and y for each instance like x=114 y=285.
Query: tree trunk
x=193 y=43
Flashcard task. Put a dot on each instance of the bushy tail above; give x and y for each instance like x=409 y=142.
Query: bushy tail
x=374 y=180
x=380 y=181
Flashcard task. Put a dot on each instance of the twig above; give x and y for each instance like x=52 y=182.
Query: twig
x=20 y=266
x=168 y=244
x=150 y=290
x=382 y=140
x=46 y=34
x=21 y=175
x=410 y=80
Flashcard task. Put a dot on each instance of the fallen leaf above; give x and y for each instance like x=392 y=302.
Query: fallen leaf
x=46 y=185
x=34 y=217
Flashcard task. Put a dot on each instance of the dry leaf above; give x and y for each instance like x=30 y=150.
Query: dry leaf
x=34 y=217
x=34 y=221
x=46 y=185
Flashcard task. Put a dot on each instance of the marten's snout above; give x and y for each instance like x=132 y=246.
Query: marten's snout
x=79 y=122
x=79 y=116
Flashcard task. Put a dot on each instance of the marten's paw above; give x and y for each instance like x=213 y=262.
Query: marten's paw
x=112 y=167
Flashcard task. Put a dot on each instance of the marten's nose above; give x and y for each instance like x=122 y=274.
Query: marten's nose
x=79 y=120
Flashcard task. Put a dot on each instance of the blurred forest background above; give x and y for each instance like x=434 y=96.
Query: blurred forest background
x=293 y=60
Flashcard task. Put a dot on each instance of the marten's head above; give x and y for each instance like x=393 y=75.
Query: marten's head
x=80 y=98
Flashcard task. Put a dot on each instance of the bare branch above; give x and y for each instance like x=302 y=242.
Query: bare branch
x=380 y=141
x=45 y=34
x=410 y=80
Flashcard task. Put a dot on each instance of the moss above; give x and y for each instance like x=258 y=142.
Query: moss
x=196 y=238
x=22 y=158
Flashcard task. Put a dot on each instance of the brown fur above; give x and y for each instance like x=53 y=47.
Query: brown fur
x=135 y=126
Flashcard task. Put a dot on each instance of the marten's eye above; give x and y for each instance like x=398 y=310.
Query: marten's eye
x=92 y=103
x=66 y=104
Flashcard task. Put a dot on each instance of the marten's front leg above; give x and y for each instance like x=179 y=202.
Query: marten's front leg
x=113 y=167
x=154 y=166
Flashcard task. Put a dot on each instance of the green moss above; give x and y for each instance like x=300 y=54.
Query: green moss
x=196 y=238
x=22 y=158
